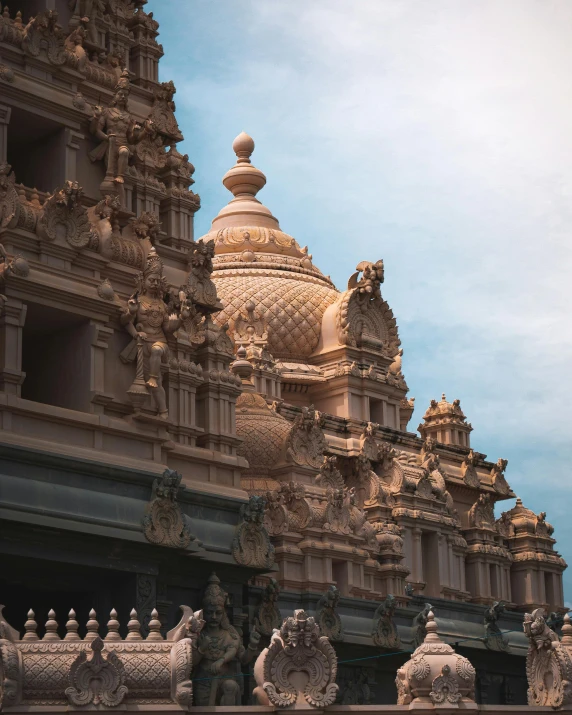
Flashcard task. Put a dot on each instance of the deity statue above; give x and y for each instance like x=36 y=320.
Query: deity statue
x=147 y=320
x=118 y=131
x=219 y=652
x=86 y=11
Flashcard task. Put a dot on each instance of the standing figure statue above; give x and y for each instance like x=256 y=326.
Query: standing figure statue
x=118 y=132
x=218 y=652
x=148 y=321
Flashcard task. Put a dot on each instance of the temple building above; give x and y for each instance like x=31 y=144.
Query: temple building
x=211 y=421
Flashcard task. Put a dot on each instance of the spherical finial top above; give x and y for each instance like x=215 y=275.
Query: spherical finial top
x=243 y=146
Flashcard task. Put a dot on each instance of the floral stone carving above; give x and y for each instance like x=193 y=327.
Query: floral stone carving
x=330 y=476
x=164 y=523
x=548 y=662
x=436 y=675
x=327 y=618
x=306 y=443
x=97 y=680
x=298 y=668
x=251 y=544
x=44 y=33
x=384 y=631
x=62 y=214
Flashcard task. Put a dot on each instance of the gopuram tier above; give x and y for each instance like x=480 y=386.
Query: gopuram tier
x=172 y=407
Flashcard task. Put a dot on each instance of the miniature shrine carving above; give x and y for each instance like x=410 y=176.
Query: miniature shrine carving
x=384 y=631
x=165 y=523
x=298 y=648
x=251 y=544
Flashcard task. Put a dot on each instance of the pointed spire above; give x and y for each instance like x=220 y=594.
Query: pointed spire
x=92 y=626
x=31 y=627
x=154 y=627
x=431 y=628
x=113 y=627
x=72 y=627
x=134 y=628
x=51 y=633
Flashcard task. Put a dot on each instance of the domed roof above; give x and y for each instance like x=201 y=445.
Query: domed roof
x=255 y=261
x=264 y=433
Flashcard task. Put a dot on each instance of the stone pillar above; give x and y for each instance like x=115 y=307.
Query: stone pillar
x=72 y=144
x=417 y=557
x=12 y=321
x=5 y=113
x=99 y=343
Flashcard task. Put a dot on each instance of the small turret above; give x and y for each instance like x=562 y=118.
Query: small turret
x=445 y=422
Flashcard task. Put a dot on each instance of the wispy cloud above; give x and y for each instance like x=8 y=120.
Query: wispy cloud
x=437 y=136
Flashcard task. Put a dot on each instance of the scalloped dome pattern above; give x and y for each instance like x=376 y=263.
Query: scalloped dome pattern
x=264 y=433
x=292 y=306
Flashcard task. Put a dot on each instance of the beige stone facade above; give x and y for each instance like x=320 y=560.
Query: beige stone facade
x=172 y=406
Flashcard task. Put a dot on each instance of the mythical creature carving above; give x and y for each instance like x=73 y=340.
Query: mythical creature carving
x=118 y=132
x=201 y=288
x=482 y=514
x=276 y=518
x=146 y=225
x=494 y=638
x=147 y=320
x=268 y=618
x=306 y=443
x=337 y=513
x=97 y=680
x=165 y=523
x=504 y=526
x=13 y=210
x=384 y=631
x=251 y=544
x=62 y=214
x=500 y=484
x=163 y=112
x=435 y=673
x=297 y=648
x=468 y=471
x=300 y=513
x=218 y=652
x=44 y=33
x=327 y=618
x=330 y=476
x=548 y=662
x=368 y=444
x=363 y=318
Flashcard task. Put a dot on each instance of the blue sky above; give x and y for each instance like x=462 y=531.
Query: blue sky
x=437 y=136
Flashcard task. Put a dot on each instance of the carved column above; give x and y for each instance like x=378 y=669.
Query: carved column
x=11 y=330
x=417 y=557
x=72 y=145
x=5 y=113
x=99 y=343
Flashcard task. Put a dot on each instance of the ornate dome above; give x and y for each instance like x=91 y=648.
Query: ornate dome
x=256 y=261
x=264 y=433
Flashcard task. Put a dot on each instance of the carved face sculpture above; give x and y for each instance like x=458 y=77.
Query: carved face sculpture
x=152 y=285
x=213 y=614
x=120 y=99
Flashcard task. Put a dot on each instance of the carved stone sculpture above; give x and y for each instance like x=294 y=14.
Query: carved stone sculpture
x=268 y=617
x=368 y=444
x=494 y=638
x=548 y=662
x=306 y=443
x=384 y=631
x=481 y=514
x=164 y=523
x=298 y=668
x=96 y=680
x=201 y=289
x=497 y=477
x=148 y=321
x=329 y=476
x=44 y=34
x=251 y=544
x=327 y=618
x=163 y=112
x=219 y=652
x=119 y=133
x=420 y=625
x=62 y=214
x=468 y=471
x=436 y=675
